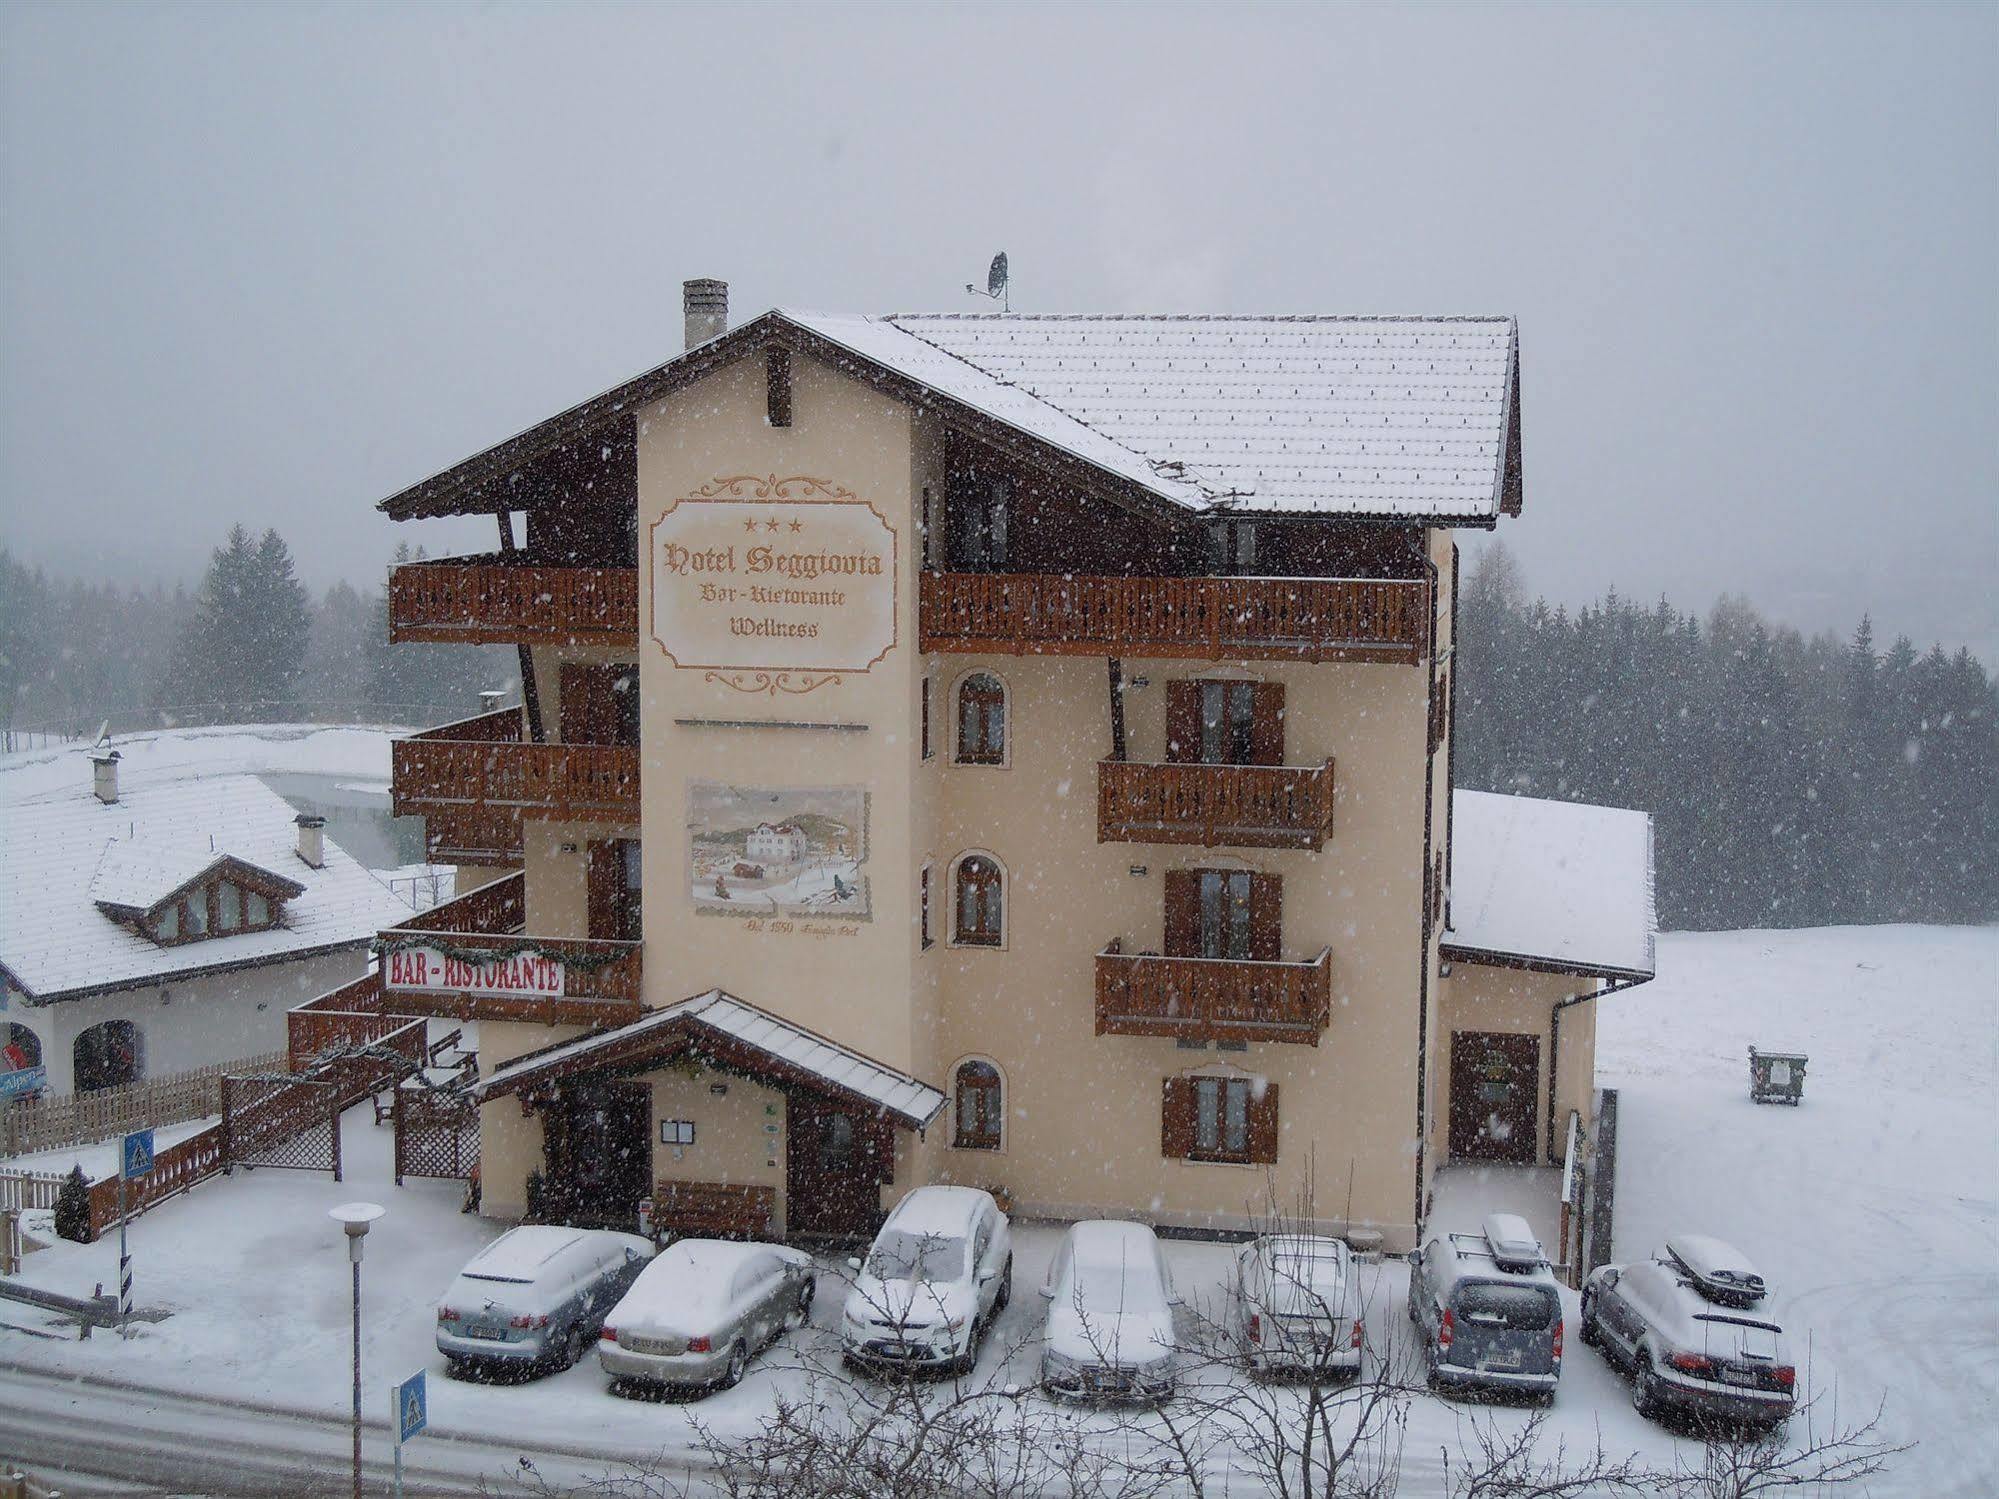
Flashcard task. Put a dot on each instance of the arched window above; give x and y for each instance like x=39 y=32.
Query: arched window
x=979 y=917
x=23 y=1049
x=108 y=1055
x=982 y=720
x=976 y=1087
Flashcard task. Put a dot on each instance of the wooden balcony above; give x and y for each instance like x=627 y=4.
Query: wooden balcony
x=473 y=781
x=587 y=982
x=487 y=601
x=1207 y=619
x=1213 y=999
x=1215 y=806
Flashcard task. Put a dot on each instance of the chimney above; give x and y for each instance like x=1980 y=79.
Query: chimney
x=705 y=303
x=105 y=779
x=311 y=839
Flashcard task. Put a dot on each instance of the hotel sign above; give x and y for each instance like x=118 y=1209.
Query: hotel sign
x=425 y=970
x=773 y=585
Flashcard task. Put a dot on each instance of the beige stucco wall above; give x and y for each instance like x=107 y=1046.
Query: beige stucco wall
x=1477 y=997
x=731 y=1141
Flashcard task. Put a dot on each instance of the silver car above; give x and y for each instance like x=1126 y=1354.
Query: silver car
x=1296 y=1306
x=535 y=1296
x=702 y=1310
x=1691 y=1327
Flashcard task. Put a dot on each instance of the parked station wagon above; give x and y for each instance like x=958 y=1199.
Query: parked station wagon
x=535 y=1296
x=1297 y=1306
x=1688 y=1326
x=1489 y=1309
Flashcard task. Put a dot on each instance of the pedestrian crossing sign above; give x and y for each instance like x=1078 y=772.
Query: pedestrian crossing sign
x=138 y=1154
x=412 y=1408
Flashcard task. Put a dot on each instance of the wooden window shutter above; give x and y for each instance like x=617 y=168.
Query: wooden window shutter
x=589 y=704
x=1267 y=723
x=1176 y=1119
x=1183 y=722
x=604 y=882
x=777 y=385
x=1266 y=917
x=1263 y=1126
x=1183 y=913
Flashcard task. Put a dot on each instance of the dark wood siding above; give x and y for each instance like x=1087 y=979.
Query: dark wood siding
x=1266 y=917
x=1183 y=913
x=1267 y=723
x=1183 y=722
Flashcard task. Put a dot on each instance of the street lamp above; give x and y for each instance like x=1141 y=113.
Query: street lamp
x=355 y=1217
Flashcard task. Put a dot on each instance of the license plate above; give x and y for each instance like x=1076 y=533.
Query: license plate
x=1739 y=1376
x=1503 y=1361
x=490 y=1334
x=652 y=1345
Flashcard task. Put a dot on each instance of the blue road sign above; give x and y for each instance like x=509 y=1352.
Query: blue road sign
x=412 y=1407
x=138 y=1154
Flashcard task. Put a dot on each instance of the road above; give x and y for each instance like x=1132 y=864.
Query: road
x=114 y=1437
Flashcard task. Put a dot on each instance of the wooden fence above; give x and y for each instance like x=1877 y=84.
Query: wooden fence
x=20 y=1190
x=47 y=1123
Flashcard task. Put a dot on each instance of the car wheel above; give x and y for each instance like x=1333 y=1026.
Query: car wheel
x=1645 y=1397
x=1587 y=1332
x=801 y=1311
x=1005 y=1287
x=739 y=1363
x=574 y=1346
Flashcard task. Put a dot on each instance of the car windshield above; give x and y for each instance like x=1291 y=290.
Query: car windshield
x=919 y=1257
x=1518 y=1308
x=1107 y=1288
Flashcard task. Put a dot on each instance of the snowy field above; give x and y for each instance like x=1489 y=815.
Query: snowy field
x=358 y=753
x=1872 y=1206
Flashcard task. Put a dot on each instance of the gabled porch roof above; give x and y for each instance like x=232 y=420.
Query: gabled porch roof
x=736 y=1034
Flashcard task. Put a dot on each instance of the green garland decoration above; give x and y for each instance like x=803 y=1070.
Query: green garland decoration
x=582 y=962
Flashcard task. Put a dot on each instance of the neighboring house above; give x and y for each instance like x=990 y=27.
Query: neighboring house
x=1123 y=649
x=777 y=845
x=167 y=926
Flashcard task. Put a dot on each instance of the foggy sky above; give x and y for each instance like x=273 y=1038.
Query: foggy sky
x=274 y=265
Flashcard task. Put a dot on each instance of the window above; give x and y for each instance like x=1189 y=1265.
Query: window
x=1225 y=722
x=256 y=910
x=108 y=1055
x=1232 y=546
x=166 y=926
x=978 y=903
x=978 y=519
x=1235 y=915
x=1226 y=1119
x=228 y=907
x=1225 y=914
x=23 y=1049
x=923 y=907
x=928 y=748
x=194 y=913
x=981 y=720
x=614 y=894
x=978 y=1097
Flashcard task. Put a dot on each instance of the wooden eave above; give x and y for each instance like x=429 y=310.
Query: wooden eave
x=1452 y=952
x=467 y=487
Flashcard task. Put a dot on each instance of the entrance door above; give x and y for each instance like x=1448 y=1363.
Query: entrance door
x=600 y=1154
x=1494 y=1083
x=833 y=1170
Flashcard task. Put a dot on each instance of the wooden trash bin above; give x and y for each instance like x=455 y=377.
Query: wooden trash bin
x=1776 y=1076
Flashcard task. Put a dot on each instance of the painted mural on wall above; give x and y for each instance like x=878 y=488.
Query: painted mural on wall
x=778 y=851
x=772 y=584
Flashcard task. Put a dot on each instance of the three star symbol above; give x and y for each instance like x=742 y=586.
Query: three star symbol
x=771 y=524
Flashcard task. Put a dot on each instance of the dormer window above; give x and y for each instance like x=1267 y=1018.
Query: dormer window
x=170 y=896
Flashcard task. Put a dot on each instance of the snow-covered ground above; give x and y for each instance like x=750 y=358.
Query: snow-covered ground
x=1872 y=1206
x=360 y=754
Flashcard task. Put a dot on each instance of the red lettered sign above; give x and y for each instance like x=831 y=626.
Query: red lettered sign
x=522 y=975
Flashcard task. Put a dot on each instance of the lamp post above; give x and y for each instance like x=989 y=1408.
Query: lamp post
x=355 y=1217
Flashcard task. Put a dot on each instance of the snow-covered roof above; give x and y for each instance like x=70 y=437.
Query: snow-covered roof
x=66 y=851
x=1559 y=884
x=779 y=1039
x=1312 y=415
x=137 y=874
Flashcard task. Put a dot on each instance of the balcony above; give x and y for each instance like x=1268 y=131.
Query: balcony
x=473 y=781
x=488 y=601
x=1215 y=806
x=1213 y=999
x=1208 y=619
x=467 y=959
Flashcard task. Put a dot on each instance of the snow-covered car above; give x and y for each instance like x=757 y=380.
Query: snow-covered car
x=1489 y=1310
x=702 y=1310
x=535 y=1296
x=1295 y=1305
x=1689 y=1328
x=938 y=1274
x=1110 y=1333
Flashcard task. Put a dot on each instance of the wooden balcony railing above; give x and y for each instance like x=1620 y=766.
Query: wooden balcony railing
x=495 y=908
x=479 y=778
x=1215 y=806
x=483 y=601
x=1302 y=619
x=598 y=983
x=1213 y=999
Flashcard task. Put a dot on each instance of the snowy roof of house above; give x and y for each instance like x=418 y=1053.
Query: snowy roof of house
x=136 y=874
x=770 y=1035
x=67 y=851
x=1406 y=418
x=1559 y=885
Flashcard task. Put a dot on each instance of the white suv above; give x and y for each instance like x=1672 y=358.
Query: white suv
x=938 y=1275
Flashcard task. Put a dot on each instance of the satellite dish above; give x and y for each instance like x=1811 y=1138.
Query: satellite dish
x=995 y=283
